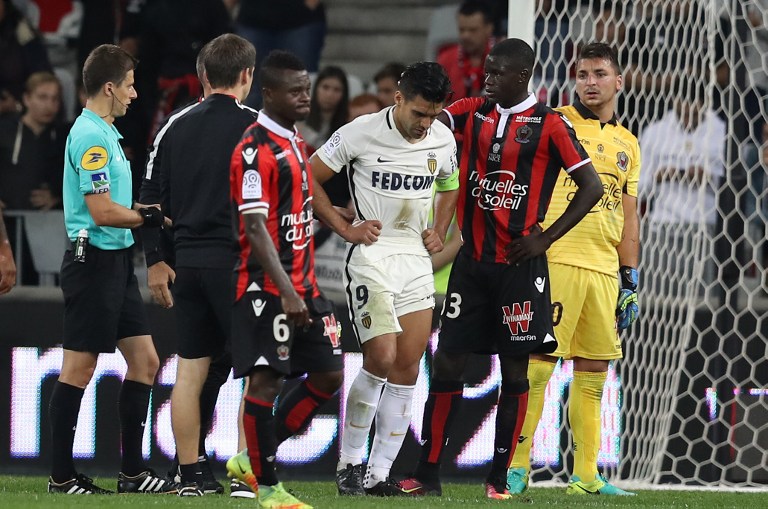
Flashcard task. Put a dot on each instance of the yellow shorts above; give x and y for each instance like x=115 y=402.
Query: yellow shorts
x=584 y=313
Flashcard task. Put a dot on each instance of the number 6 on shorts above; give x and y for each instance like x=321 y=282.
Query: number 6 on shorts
x=280 y=328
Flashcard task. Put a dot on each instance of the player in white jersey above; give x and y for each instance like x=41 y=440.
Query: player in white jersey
x=395 y=157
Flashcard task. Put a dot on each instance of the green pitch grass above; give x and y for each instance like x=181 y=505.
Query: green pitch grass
x=23 y=492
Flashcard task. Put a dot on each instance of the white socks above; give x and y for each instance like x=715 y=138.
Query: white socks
x=362 y=400
x=393 y=418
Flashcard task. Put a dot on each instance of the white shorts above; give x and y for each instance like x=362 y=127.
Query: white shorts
x=377 y=294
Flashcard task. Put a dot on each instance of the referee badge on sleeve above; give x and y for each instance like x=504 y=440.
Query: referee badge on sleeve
x=95 y=158
x=99 y=183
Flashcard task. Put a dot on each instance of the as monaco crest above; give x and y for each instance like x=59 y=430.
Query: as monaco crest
x=622 y=160
x=365 y=319
x=432 y=162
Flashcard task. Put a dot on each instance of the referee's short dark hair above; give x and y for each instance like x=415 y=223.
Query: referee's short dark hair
x=602 y=51
x=225 y=58
x=270 y=74
x=425 y=79
x=106 y=63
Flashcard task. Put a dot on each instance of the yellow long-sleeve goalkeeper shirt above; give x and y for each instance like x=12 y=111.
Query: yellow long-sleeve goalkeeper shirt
x=615 y=154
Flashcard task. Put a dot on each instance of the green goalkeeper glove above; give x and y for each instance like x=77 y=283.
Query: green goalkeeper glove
x=627 y=309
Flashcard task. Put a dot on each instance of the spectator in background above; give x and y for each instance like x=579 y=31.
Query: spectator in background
x=297 y=26
x=328 y=109
x=552 y=37
x=23 y=53
x=104 y=23
x=757 y=64
x=32 y=148
x=464 y=61
x=385 y=81
x=682 y=158
x=32 y=158
x=363 y=104
x=659 y=47
x=337 y=187
x=172 y=34
x=7 y=267
x=59 y=23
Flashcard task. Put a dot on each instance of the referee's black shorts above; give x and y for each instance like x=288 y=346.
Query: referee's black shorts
x=102 y=303
x=203 y=303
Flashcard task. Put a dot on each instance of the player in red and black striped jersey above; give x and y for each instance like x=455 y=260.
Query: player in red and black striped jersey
x=498 y=297
x=510 y=161
x=281 y=323
x=269 y=177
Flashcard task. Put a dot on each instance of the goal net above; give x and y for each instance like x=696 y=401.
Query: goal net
x=694 y=381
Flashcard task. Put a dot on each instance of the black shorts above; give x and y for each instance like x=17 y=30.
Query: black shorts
x=102 y=303
x=497 y=308
x=203 y=303
x=261 y=336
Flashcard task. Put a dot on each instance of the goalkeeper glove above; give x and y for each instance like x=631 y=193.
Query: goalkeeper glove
x=627 y=308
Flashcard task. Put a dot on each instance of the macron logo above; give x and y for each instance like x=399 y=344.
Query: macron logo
x=258 y=306
x=539 y=284
x=484 y=118
x=249 y=154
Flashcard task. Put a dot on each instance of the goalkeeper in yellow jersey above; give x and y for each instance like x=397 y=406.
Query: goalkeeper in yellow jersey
x=593 y=271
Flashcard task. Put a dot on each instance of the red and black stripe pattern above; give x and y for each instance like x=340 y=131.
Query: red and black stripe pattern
x=269 y=175
x=510 y=162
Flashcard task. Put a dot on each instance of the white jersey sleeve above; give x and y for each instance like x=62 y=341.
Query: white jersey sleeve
x=343 y=146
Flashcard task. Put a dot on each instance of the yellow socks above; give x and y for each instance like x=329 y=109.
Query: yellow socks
x=584 y=416
x=539 y=373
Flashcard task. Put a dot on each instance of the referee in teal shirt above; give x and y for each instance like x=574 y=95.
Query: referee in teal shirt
x=102 y=305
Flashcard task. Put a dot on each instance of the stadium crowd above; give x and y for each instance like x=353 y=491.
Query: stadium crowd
x=311 y=137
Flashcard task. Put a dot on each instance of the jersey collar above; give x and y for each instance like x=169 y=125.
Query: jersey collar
x=107 y=128
x=518 y=108
x=391 y=117
x=273 y=126
x=586 y=113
